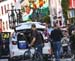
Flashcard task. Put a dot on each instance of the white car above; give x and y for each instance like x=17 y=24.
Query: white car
x=17 y=43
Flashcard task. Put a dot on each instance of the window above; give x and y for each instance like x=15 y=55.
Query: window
x=0 y=25
x=72 y=13
x=8 y=6
x=2 y=10
x=5 y=8
x=6 y=25
x=3 y=26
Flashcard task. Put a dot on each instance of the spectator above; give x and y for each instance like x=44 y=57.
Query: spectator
x=66 y=42
x=46 y=33
x=72 y=40
x=56 y=36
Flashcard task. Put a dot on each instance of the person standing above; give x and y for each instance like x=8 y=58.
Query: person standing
x=56 y=36
x=66 y=43
x=72 y=40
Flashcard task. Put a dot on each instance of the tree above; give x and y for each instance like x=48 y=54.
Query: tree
x=23 y=9
x=46 y=19
x=65 y=7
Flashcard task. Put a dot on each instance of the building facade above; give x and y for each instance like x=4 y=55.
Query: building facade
x=56 y=12
x=5 y=5
x=71 y=12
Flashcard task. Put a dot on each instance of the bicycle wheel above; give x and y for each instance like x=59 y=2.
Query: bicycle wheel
x=27 y=55
x=37 y=57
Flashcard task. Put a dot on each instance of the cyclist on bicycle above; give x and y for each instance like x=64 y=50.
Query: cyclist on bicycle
x=36 y=40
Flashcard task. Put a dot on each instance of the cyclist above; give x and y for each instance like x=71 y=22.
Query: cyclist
x=36 y=40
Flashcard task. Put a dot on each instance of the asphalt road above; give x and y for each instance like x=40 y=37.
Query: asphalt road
x=3 y=59
x=69 y=59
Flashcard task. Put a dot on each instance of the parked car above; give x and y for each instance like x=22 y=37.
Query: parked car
x=18 y=45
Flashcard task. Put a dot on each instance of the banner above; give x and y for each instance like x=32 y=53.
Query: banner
x=35 y=10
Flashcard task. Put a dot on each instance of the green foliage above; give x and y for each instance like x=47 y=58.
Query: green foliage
x=23 y=9
x=46 y=19
x=65 y=7
x=44 y=11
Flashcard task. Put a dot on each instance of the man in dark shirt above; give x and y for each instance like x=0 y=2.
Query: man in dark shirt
x=56 y=36
x=35 y=38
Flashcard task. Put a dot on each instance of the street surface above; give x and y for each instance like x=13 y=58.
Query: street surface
x=3 y=59
x=68 y=59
